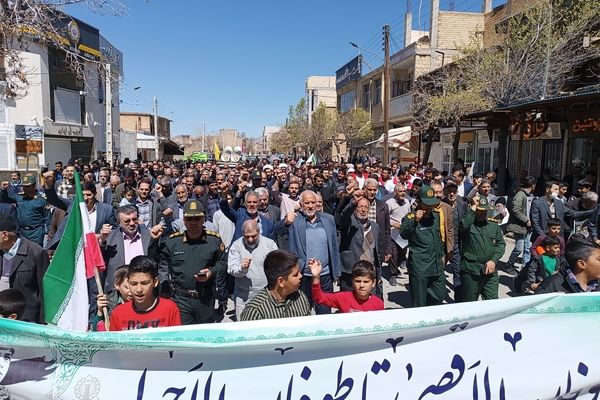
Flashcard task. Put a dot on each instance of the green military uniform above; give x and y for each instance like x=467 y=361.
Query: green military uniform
x=426 y=256
x=481 y=242
x=31 y=212
x=184 y=257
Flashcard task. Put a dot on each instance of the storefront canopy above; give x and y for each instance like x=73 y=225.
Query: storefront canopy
x=397 y=137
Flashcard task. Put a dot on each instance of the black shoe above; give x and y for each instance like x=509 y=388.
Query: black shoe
x=511 y=270
x=393 y=281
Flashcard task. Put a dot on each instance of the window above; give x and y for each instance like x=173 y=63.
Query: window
x=366 y=96
x=67 y=106
x=377 y=97
x=347 y=101
x=400 y=87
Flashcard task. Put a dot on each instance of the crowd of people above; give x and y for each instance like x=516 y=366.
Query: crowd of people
x=287 y=238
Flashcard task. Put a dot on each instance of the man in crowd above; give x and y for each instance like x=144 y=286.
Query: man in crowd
x=519 y=224
x=314 y=235
x=358 y=241
x=425 y=266
x=482 y=247
x=23 y=264
x=245 y=263
x=31 y=210
x=399 y=206
x=190 y=262
x=549 y=206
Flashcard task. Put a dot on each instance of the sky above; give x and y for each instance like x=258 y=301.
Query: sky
x=241 y=64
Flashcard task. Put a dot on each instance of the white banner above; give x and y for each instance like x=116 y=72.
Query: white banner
x=532 y=347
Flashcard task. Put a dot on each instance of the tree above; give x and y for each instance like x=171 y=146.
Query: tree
x=353 y=125
x=536 y=56
x=443 y=98
x=322 y=130
x=281 y=142
x=314 y=137
x=24 y=22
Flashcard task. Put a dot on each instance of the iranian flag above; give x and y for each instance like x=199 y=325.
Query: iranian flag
x=75 y=260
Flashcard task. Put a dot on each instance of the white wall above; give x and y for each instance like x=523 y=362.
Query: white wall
x=36 y=102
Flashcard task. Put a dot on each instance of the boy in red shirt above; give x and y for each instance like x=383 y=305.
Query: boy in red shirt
x=360 y=299
x=146 y=310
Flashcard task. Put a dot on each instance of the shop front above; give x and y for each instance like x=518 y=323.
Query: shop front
x=560 y=134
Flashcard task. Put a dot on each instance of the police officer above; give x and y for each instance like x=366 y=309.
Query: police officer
x=482 y=247
x=425 y=234
x=193 y=259
x=31 y=210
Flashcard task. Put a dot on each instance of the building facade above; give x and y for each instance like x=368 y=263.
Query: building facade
x=423 y=51
x=150 y=137
x=62 y=117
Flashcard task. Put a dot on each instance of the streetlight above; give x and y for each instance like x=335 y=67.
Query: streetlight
x=386 y=87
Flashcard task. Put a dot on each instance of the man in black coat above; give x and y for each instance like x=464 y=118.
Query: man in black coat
x=23 y=264
x=380 y=214
x=99 y=214
x=549 y=206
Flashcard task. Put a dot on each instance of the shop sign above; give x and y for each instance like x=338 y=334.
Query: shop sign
x=29 y=146
x=536 y=130
x=29 y=132
x=584 y=124
x=349 y=72
x=55 y=129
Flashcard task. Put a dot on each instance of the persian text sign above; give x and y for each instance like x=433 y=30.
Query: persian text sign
x=349 y=72
x=533 y=347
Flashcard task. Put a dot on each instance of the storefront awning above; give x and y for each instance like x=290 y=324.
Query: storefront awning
x=396 y=137
x=172 y=148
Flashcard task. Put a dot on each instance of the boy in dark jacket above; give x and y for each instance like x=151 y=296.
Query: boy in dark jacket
x=582 y=272
x=541 y=267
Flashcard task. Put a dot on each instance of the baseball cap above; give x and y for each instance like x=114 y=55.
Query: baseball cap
x=256 y=175
x=483 y=205
x=28 y=180
x=427 y=196
x=193 y=208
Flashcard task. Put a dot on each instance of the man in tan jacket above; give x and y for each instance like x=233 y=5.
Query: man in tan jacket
x=445 y=211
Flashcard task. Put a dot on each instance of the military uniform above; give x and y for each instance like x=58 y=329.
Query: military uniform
x=481 y=242
x=180 y=259
x=426 y=257
x=31 y=212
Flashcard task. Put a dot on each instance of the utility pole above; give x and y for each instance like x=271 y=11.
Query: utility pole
x=203 y=137
x=386 y=92
x=108 y=116
x=156 y=136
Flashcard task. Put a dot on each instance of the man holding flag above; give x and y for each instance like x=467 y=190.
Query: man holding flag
x=77 y=259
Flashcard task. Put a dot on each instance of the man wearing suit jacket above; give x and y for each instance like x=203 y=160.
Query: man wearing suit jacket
x=309 y=231
x=23 y=264
x=238 y=214
x=358 y=242
x=268 y=210
x=120 y=245
x=380 y=214
x=464 y=186
x=549 y=206
x=149 y=209
x=103 y=190
x=99 y=214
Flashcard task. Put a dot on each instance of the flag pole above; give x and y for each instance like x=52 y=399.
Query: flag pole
x=101 y=292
